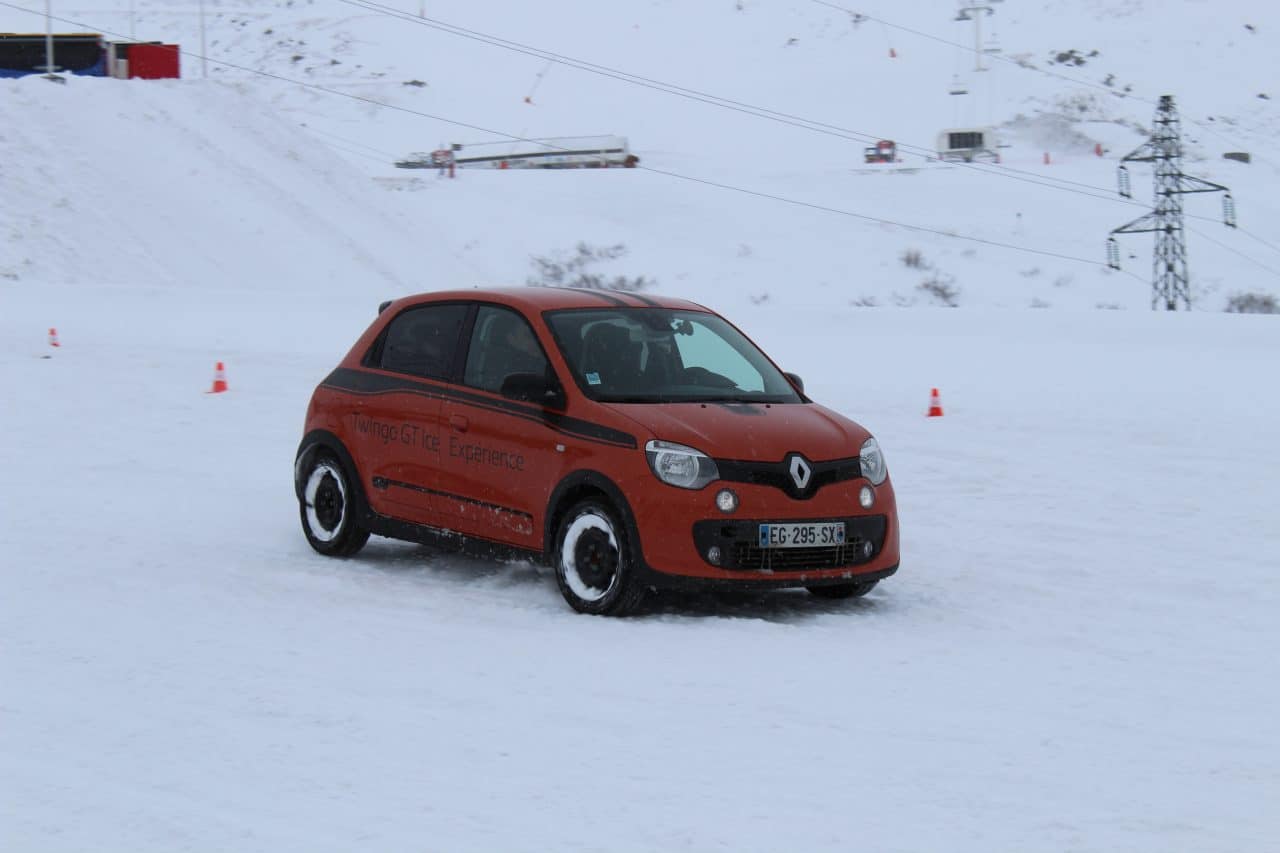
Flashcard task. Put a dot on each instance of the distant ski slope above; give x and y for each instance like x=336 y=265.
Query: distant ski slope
x=803 y=59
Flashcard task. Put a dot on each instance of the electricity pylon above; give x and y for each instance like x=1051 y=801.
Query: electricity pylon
x=1170 y=283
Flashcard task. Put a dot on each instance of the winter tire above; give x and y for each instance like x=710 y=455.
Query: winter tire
x=844 y=590
x=594 y=561
x=328 y=509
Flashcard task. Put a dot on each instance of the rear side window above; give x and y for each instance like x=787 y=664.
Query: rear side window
x=502 y=344
x=423 y=341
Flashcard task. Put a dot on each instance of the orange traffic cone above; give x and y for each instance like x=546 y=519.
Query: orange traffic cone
x=219 y=379
x=935 y=404
x=53 y=338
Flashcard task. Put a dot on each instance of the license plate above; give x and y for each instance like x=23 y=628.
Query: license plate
x=809 y=534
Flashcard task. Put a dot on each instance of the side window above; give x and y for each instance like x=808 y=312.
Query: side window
x=423 y=341
x=502 y=343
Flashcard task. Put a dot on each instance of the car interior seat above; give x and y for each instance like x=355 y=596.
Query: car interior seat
x=609 y=352
x=418 y=347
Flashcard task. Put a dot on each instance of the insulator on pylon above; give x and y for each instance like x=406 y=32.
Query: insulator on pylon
x=1113 y=253
x=1229 y=211
x=1123 y=177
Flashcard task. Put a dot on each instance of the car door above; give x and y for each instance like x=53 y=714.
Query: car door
x=398 y=424
x=500 y=458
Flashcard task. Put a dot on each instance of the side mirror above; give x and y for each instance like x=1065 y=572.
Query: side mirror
x=796 y=381
x=533 y=388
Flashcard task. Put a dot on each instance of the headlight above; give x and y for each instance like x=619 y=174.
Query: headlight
x=679 y=465
x=872 y=462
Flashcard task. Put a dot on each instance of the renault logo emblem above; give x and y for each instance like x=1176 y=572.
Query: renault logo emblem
x=801 y=471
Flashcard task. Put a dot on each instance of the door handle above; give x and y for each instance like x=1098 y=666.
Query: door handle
x=459 y=422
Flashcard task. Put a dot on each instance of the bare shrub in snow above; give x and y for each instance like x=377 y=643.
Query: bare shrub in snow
x=1252 y=303
x=941 y=289
x=913 y=259
x=576 y=270
x=1039 y=303
x=759 y=298
x=865 y=302
x=1064 y=280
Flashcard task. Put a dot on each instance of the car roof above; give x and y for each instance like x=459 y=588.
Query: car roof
x=534 y=300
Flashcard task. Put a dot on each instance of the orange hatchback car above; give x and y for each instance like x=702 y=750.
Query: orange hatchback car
x=631 y=442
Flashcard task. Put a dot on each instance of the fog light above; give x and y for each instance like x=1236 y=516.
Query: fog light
x=713 y=555
x=866 y=497
x=867 y=548
x=726 y=500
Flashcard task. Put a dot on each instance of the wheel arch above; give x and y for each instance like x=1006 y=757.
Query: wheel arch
x=576 y=487
x=320 y=440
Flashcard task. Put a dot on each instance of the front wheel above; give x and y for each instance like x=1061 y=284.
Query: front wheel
x=328 y=509
x=856 y=589
x=594 y=562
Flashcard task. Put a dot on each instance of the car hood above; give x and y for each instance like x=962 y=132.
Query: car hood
x=750 y=431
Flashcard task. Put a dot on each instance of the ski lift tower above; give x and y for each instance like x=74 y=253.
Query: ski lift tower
x=976 y=10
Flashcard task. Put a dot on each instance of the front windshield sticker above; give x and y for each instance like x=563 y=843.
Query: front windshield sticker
x=593 y=378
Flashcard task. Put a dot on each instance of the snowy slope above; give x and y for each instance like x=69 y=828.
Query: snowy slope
x=709 y=242
x=189 y=184
x=1078 y=653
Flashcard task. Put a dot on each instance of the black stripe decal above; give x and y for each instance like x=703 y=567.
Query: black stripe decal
x=646 y=300
x=374 y=384
x=382 y=483
x=610 y=298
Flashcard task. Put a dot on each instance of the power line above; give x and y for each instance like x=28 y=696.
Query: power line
x=711 y=99
x=1100 y=86
x=1235 y=251
x=1253 y=236
x=353 y=152
x=676 y=175
x=753 y=109
x=1033 y=178
x=384 y=155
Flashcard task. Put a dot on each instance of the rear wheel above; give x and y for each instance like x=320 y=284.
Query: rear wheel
x=595 y=566
x=328 y=509
x=844 y=590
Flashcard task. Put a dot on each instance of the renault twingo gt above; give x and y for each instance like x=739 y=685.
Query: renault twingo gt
x=631 y=442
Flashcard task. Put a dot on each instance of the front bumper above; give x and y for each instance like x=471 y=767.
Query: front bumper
x=676 y=528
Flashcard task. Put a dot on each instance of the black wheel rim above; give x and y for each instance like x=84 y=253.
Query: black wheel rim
x=328 y=503
x=595 y=559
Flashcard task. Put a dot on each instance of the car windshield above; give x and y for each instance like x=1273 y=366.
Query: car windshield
x=656 y=355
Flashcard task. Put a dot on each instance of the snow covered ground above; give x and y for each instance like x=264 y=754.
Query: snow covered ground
x=1078 y=653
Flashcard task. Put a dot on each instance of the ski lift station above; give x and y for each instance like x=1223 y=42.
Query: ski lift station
x=968 y=144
